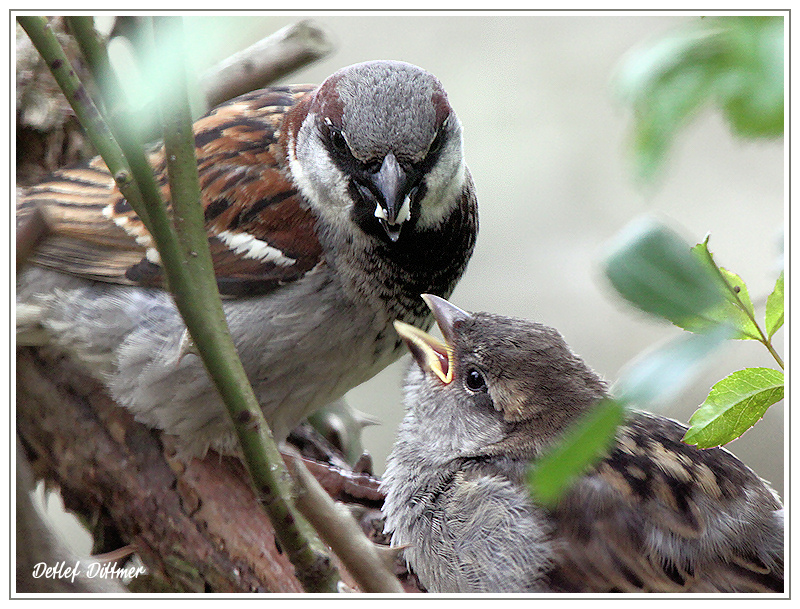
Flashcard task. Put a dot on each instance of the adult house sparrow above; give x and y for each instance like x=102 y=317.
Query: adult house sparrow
x=655 y=515
x=329 y=210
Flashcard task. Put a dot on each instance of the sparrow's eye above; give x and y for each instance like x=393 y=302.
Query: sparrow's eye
x=474 y=380
x=338 y=143
x=437 y=143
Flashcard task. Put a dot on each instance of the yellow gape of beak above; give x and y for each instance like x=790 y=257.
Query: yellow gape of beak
x=430 y=353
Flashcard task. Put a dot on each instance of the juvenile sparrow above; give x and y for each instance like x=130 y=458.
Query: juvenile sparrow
x=655 y=515
x=329 y=210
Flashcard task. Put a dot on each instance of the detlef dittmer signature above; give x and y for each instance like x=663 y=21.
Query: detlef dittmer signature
x=62 y=570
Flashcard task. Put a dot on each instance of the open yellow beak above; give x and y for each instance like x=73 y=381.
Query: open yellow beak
x=430 y=353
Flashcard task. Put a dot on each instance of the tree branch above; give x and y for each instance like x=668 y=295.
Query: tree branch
x=340 y=531
x=269 y=59
x=195 y=524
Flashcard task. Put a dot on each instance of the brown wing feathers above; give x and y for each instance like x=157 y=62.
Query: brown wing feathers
x=650 y=482
x=261 y=234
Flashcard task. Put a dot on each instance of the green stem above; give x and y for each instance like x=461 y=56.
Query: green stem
x=95 y=52
x=90 y=118
x=117 y=111
x=738 y=302
x=197 y=298
x=774 y=353
x=763 y=340
x=185 y=255
x=93 y=49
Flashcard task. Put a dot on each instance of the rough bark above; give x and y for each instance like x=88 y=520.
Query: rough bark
x=194 y=523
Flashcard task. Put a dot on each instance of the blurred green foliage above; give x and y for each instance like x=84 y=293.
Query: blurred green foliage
x=735 y=63
x=580 y=447
x=652 y=267
x=708 y=301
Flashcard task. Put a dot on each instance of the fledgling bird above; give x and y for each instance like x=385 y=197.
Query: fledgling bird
x=329 y=210
x=654 y=515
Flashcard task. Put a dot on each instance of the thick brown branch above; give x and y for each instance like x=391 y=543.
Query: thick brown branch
x=194 y=523
x=103 y=461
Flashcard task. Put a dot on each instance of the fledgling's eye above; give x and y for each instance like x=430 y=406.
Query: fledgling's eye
x=474 y=380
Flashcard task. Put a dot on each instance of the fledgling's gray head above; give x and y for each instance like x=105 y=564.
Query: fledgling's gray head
x=497 y=385
x=379 y=145
x=485 y=403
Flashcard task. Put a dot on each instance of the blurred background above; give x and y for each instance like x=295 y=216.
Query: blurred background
x=545 y=141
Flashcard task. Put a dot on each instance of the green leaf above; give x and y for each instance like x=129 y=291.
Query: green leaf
x=659 y=375
x=735 y=310
x=734 y=405
x=583 y=445
x=751 y=90
x=653 y=268
x=733 y=62
x=774 y=316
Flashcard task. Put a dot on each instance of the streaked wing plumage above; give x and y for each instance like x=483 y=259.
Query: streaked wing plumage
x=655 y=491
x=260 y=232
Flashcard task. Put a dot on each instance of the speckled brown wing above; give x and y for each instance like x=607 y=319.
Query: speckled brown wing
x=703 y=511
x=260 y=232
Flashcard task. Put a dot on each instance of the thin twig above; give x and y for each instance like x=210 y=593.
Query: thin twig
x=339 y=530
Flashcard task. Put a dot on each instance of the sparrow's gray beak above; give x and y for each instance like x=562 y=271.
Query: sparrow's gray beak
x=391 y=182
x=431 y=353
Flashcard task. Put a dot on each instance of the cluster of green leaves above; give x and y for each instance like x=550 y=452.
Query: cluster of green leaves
x=736 y=62
x=657 y=271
